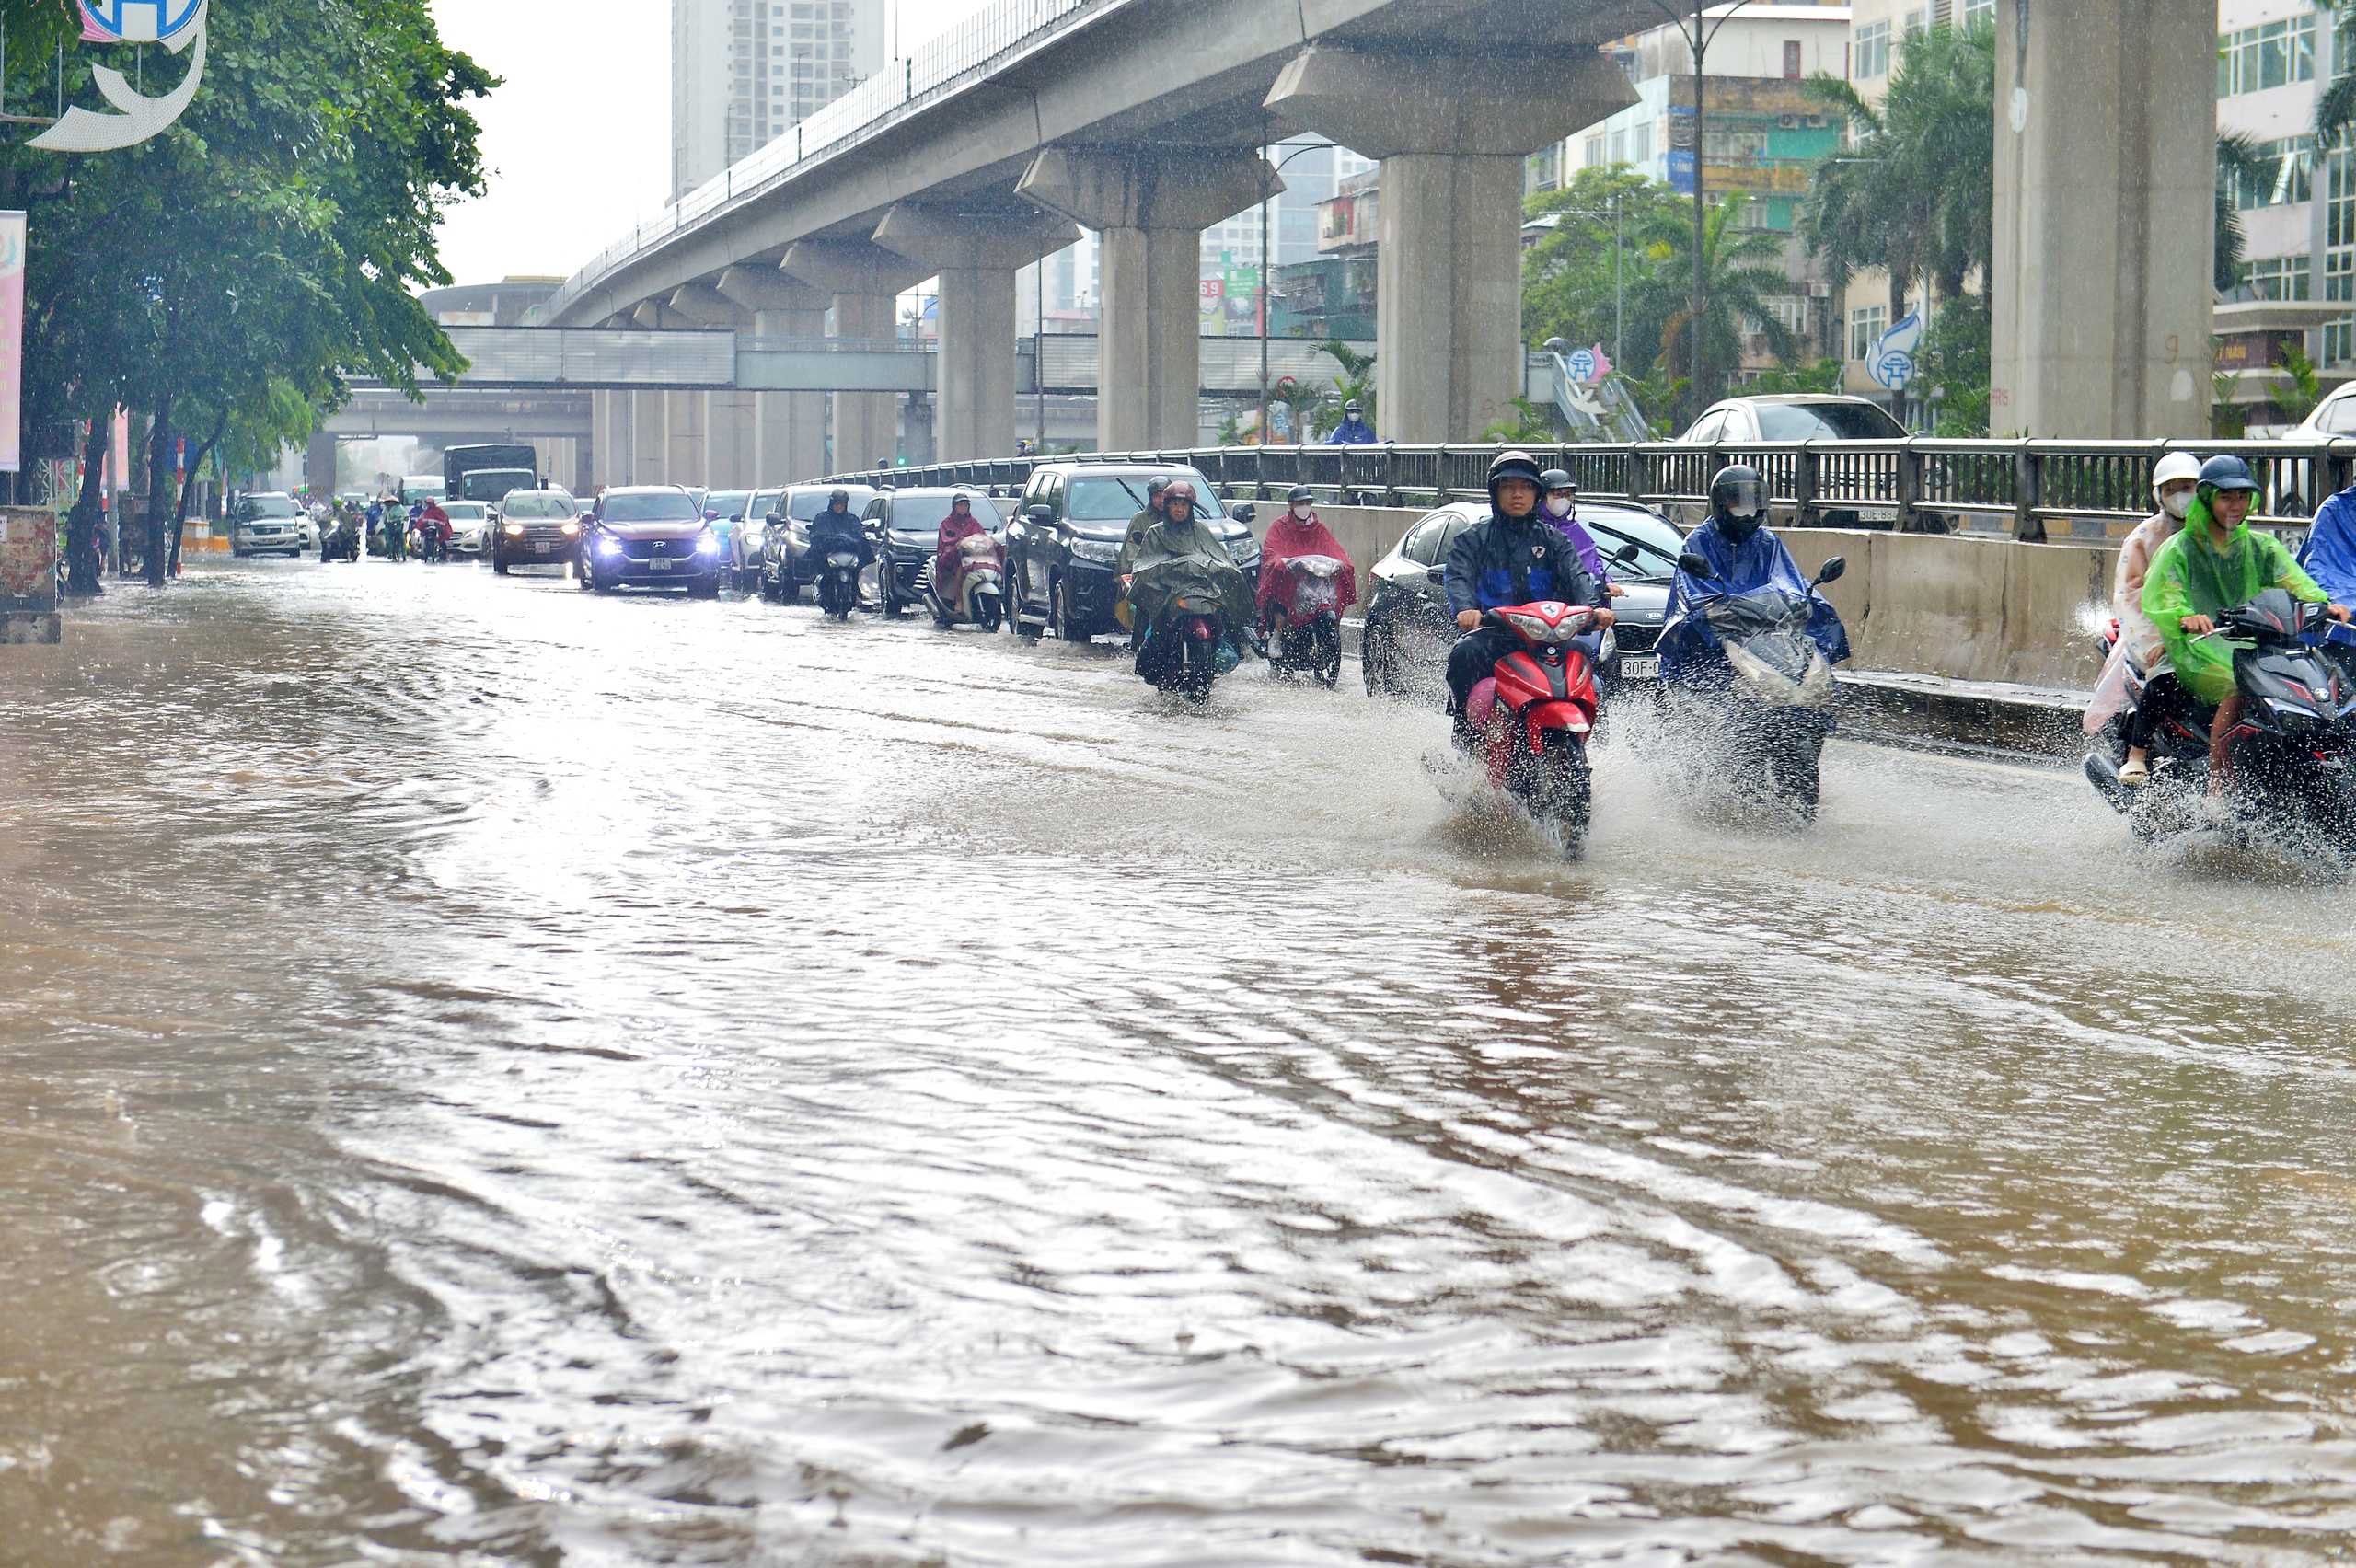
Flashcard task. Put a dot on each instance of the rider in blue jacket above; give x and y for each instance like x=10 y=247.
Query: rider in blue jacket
x=1514 y=556
x=1352 y=430
x=1745 y=556
x=837 y=528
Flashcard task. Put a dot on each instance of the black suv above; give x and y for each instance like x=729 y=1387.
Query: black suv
x=1066 y=533
x=906 y=527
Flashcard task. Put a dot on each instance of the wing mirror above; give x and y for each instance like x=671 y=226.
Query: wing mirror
x=1693 y=565
x=1831 y=571
x=774 y=521
x=1244 y=512
x=1042 y=514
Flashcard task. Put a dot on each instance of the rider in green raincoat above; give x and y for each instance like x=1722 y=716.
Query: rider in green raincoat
x=2211 y=565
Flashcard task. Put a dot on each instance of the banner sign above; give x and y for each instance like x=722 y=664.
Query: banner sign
x=12 y=340
x=1893 y=358
x=175 y=24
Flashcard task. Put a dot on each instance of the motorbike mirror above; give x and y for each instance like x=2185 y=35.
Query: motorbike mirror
x=1831 y=571
x=1625 y=554
x=1693 y=565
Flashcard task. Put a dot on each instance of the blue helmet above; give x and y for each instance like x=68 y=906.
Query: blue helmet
x=2225 y=472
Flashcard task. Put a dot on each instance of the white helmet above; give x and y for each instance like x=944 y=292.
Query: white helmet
x=2174 y=466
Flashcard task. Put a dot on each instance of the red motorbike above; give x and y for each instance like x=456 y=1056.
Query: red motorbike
x=1534 y=713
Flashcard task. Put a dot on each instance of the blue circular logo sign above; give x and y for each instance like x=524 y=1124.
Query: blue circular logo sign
x=1581 y=365
x=140 y=21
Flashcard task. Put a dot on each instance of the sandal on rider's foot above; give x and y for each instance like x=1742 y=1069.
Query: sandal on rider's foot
x=2135 y=774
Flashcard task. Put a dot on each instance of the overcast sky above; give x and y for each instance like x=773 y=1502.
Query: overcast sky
x=578 y=142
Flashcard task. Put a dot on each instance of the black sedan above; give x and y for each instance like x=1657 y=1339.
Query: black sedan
x=1409 y=630
x=906 y=527
x=1062 y=544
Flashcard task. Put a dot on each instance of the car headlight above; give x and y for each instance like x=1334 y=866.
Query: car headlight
x=1096 y=554
x=710 y=543
x=609 y=547
x=1608 y=647
x=514 y=530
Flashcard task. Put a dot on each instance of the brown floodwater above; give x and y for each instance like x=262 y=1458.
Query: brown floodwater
x=490 y=1076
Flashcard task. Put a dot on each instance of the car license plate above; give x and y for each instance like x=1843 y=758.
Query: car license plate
x=1877 y=515
x=541 y=547
x=660 y=563
x=1640 y=666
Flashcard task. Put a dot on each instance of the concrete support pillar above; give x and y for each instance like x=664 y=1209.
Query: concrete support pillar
x=650 y=449
x=1151 y=209
x=687 y=418
x=1447 y=328
x=975 y=256
x=862 y=282
x=2105 y=176
x=319 y=464
x=609 y=440
x=789 y=429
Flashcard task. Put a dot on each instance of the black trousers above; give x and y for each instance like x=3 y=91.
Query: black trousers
x=2164 y=699
x=1474 y=659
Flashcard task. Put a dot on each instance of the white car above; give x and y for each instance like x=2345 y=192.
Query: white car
x=470 y=525
x=1794 y=416
x=268 y=524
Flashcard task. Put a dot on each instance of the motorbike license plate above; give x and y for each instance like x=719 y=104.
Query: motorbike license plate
x=1640 y=666
x=660 y=563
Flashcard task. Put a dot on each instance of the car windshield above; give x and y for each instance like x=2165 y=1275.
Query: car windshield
x=728 y=503
x=1817 y=421
x=271 y=506
x=1116 y=498
x=811 y=502
x=1657 y=543
x=651 y=506
x=466 y=511
x=521 y=504
x=923 y=511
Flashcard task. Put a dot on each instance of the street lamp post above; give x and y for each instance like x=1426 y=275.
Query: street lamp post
x=1260 y=290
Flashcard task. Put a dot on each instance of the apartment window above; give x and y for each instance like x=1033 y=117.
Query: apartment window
x=1619 y=145
x=1865 y=328
x=1872 y=49
x=2293 y=176
x=1791 y=60
x=1640 y=149
x=2339 y=253
x=1595 y=152
x=2277 y=277
x=1916 y=23
x=2274 y=54
x=1976 y=12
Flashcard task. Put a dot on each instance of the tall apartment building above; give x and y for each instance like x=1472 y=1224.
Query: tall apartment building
x=745 y=71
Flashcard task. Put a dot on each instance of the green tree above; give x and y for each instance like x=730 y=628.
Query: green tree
x=1531 y=424
x=1744 y=269
x=1354 y=383
x=1914 y=190
x=1952 y=369
x=1568 y=283
x=271 y=239
x=1824 y=376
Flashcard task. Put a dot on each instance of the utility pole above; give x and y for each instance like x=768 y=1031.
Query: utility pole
x=1701 y=270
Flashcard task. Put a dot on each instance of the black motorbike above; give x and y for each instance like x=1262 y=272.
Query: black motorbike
x=1768 y=720
x=839 y=584
x=340 y=543
x=2293 y=753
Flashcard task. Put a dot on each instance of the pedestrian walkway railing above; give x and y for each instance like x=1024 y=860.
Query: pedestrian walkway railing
x=2029 y=490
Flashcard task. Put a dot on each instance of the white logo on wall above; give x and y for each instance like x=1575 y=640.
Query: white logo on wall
x=1893 y=357
x=175 y=24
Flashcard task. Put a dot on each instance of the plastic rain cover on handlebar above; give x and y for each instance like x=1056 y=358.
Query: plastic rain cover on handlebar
x=1765 y=637
x=1160 y=582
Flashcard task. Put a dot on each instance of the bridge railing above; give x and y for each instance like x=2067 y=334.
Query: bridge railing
x=2030 y=489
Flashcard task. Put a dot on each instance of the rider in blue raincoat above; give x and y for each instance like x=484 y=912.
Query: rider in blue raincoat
x=1745 y=556
x=2329 y=554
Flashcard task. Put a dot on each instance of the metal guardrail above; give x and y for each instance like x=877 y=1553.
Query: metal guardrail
x=935 y=68
x=1922 y=485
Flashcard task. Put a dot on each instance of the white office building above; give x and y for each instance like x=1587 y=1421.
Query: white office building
x=744 y=72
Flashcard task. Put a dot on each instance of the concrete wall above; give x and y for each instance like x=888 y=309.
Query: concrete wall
x=1916 y=604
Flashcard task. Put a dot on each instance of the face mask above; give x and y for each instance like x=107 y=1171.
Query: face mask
x=2176 y=505
x=1558 y=506
x=1303 y=510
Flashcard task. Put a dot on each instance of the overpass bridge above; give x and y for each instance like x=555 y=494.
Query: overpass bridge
x=1143 y=120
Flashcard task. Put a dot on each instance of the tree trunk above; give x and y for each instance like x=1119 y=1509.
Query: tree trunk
x=82 y=523
x=188 y=487
x=160 y=488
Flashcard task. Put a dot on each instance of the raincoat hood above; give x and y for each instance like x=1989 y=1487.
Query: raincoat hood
x=1760 y=563
x=2329 y=554
x=2191 y=576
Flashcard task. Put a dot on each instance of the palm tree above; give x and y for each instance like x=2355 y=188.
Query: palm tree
x=2241 y=165
x=1914 y=193
x=1742 y=269
x=1354 y=383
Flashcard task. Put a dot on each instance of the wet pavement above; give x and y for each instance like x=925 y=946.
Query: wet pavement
x=494 y=1076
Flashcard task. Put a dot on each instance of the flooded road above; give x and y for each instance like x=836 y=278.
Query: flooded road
x=492 y=1076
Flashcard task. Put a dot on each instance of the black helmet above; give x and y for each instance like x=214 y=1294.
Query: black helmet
x=1553 y=479
x=1300 y=493
x=2225 y=473
x=841 y=495
x=1738 y=502
x=1513 y=464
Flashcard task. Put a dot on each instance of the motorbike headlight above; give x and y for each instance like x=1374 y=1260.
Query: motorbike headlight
x=1531 y=627
x=2292 y=710
x=1609 y=646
